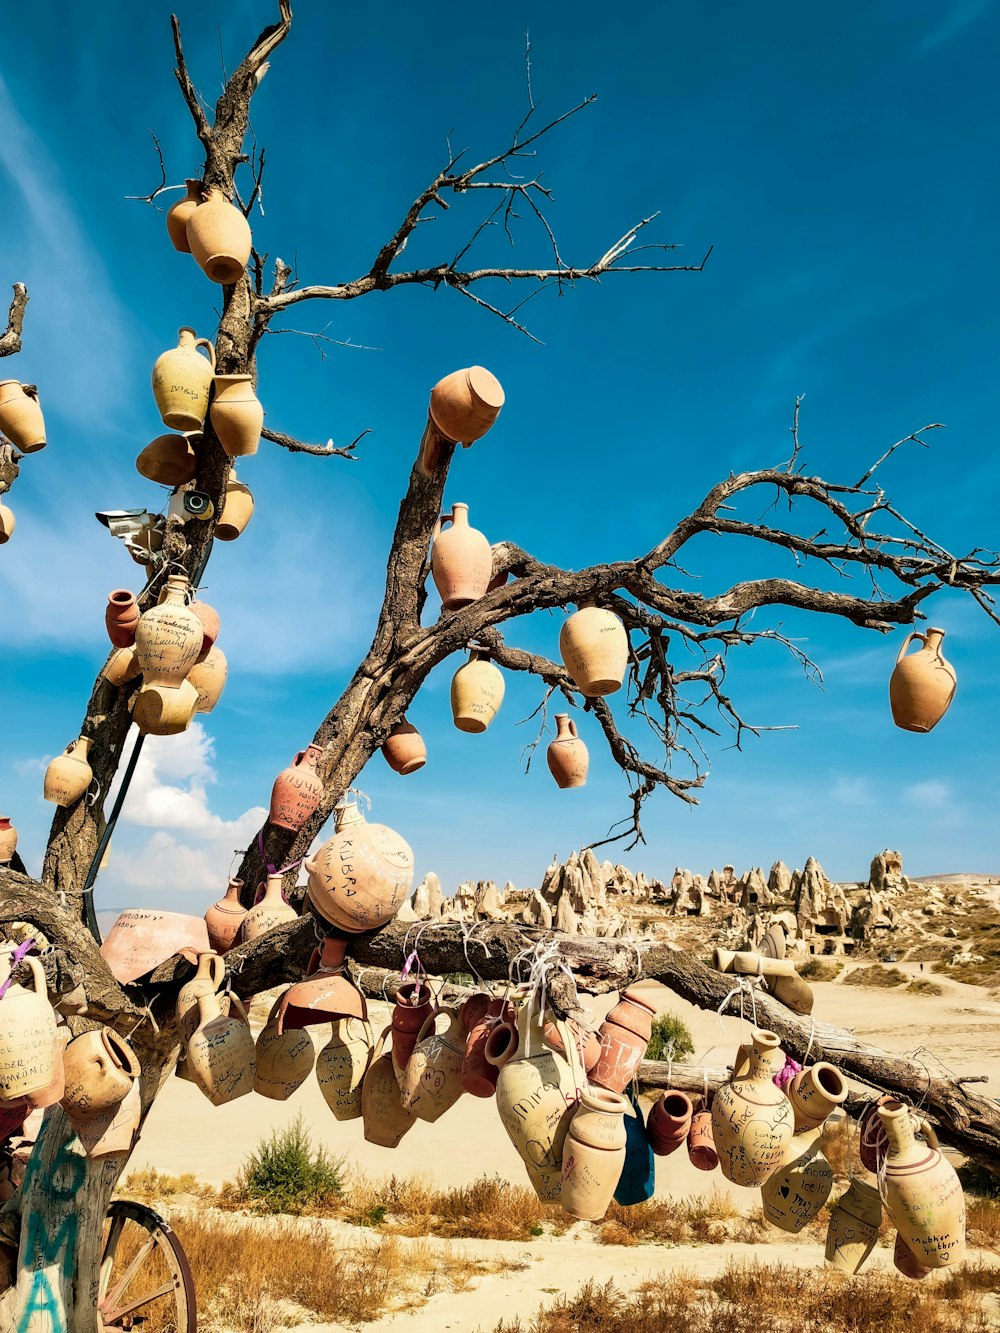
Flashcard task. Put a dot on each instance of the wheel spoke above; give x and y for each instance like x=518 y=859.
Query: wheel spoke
x=108 y=1256
x=122 y=1284
x=109 y=1316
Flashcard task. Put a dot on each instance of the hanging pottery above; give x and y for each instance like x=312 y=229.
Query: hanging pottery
x=113 y=1129
x=162 y=710
x=179 y=215
x=386 y=1120
x=905 y=1261
x=432 y=1080
x=7 y=524
x=169 y=460
x=141 y=939
x=638 y=1178
x=237 y=416
x=669 y=1122
x=359 y=878
x=69 y=775
x=853 y=1227
x=567 y=755
x=283 y=1059
x=207 y=980
x=701 y=1145
x=465 y=404
x=224 y=918
x=476 y=694
x=797 y=1189
x=501 y=1045
x=479 y=1075
x=27 y=1034
x=297 y=790
x=923 y=1194
x=8 y=840
x=121 y=667
x=182 y=380
x=271 y=911
x=121 y=617
x=815 y=1093
x=237 y=509
x=594 y=1153
x=624 y=1036
x=341 y=1066
x=461 y=560
x=55 y=1089
x=208 y=677
x=100 y=1068
x=325 y=993
x=169 y=636
x=922 y=685
x=585 y=1039
x=21 y=417
x=594 y=649
x=752 y=1120
x=210 y=625
x=404 y=749
x=220 y=1055
x=220 y=239
x=412 y=1006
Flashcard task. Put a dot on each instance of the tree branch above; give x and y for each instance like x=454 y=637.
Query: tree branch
x=10 y=339
x=328 y=450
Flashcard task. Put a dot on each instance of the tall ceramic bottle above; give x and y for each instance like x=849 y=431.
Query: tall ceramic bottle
x=168 y=637
x=27 y=1036
x=225 y=918
x=752 y=1119
x=594 y=1153
x=922 y=685
x=796 y=1191
x=342 y=1064
x=567 y=755
x=594 y=648
x=461 y=560
x=297 y=790
x=220 y=1054
x=923 y=1194
x=219 y=237
x=207 y=980
x=432 y=1080
x=182 y=380
x=69 y=775
x=271 y=911
x=236 y=414
x=360 y=878
x=412 y=1007
x=21 y=417
x=477 y=691
x=179 y=215
x=624 y=1035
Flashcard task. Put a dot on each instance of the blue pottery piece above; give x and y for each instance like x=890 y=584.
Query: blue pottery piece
x=638 y=1174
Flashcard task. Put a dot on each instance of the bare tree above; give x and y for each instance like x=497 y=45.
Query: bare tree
x=680 y=645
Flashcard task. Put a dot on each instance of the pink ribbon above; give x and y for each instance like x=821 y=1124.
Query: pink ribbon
x=20 y=953
x=785 y=1076
x=272 y=869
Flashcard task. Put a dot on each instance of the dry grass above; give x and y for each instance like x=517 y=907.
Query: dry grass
x=488 y=1209
x=983 y=1223
x=922 y=986
x=875 y=976
x=821 y=969
x=150 y=1186
x=705 y=1219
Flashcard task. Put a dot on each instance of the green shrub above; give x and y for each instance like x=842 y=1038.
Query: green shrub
x=287 y=1174
x=821 y=969
x=670 y=1039
x=875 y=976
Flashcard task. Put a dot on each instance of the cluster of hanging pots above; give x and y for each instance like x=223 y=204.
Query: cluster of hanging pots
x=22 y=423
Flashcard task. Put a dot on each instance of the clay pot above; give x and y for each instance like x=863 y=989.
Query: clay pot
x=586 y=1041
x=796 y=1191
x=432 y=1080
x=923 y=1194
x=271 y=911
x=7 y=524
x=237 y=416
x=404 y=749
x=567 y=755
x=413 y=1005
x=921 y=686
x=161 y=710
x=210 y=626
x=54 y=1091
x=359 y=878
x=386 y=1120
x=853 y=1228
x=594 y=1153
x=284 y=1059
x=501 y=1046
x=701 y=1145
x=297 y=790
x=325 y=993
x=219 y=238
x=793 y=992
x=208 y=677
x=8 y=840
x=207 y=980
x=237 y=510
x=476 y=694
x=461 y=560
x=220 y=1056
x=905 y=1261
x=100 y=1068
x=873 y=1141
x=169 y=460
x=752 y=964
x=182 y=380
x=69 y=775
x=752 y=1120
x=21 y=417
x=815 y=1092
x=341 y=1066
x=465 y=404
x=169 y=636
x=141 y=939
x=474 y=1009
x=121 y=617
x=27 y=1035
x=113 y=1129
x=638 y=1178
x=121 y=666
x=594 y=648
x=479 y=1075
x=179 y=214
x=669 y=1122
x=624 y=1035
x=225 y=918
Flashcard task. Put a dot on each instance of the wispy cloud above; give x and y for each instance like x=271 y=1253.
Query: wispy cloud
x=958 y=17
x=852 y=791
x=929 y=795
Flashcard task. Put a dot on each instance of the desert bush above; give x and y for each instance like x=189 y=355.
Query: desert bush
x=979 y=1181
x=151 y=1186
x=922 y=986
x=288 y=1175
x=670 y=1038
x=821 y=969
x=875 y=976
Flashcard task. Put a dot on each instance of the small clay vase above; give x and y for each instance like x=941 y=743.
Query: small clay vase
x=207 y=980
x=7 y=524
x=477 y=691
x=752 y=1121
x=28 y=1045
x=220 y=1055
x=169 y=460
x=271 y=911
x=179 y=214
x=237 y=510
x=210 y=625
x=224 y=918
x=359 y=878
x=625 y=1035
x=594 y=1153
x=465 y=404
x=283 y=1059
x=112 y=1130
x=237 y=416
x=208 y=677
x=161 y=710
x=922 y=685
x=585 y=1039
x=479 y=1076
x=905 y=1261
x=20 y=416
x=461 y=560
x=411 y=1009
x=669 y=1122
x=797 y=1189
x=69 y=775
x=8 y=840
x=100 y=1068
x=168 y=637
x=219 y=238
x=432 y=1080
x=567 y=755
x=701 y=1145
x=342 y=1064
x=182 y=380
x=404 y=749
x=501 y=1045
x=923 y=1194
x=121 y=666
x=853 y=1227
x=815 y=1092
x=594 y=649
x=297 y=790
x=386 y=1120
x=121 y=617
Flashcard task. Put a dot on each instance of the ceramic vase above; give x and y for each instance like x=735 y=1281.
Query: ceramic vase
x=853 y=1227
x=325 y=993
x=162 y=710
x=210 y=625
x=237 y=510
x=624 y=1036
x=465 y=404
x=237 y=416
x=461 y=560
x=168 y=637
x=386 y=1120
x=224 y=918
x=669 y=1122
x=208 y=677
x=219 y=238
x=271 y=911
x=815 y=1093
x=207 y=980
x=404 y=749
x=220 y=1054
x=342 y=1064
x=586 y=1041
x=479 y=1076
x=69 y=775
x=567 y=755
x=701 y=1144
x=182 y=380
x=432 y=1080
x=20 y=416
x=501 y=1045
x=121 y=666
x=906 y=1262
x=638 y=1178
x=359 y=878
x=797 y=1189
x=8 y=840
x=27 y=1036
x=923 y=1194
x=179 y=214
x=476 y=694
x=100 y=1068
x=283 y=1060
x=297 y=790
x=7 y=524
x=594 y=1153
x=594 y=649
x=922 y=685
x=121 y=617
x=752 y=1121
x=413 y=1005
x=169 y=460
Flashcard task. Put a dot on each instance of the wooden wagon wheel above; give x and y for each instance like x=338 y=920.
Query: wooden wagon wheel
x=146 y=1280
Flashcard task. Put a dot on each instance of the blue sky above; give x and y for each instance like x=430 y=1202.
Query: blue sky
x=839 y=162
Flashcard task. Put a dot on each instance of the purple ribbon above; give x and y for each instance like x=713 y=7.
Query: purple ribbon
x=272 y=869
x=20 y=953
x=785 y=1076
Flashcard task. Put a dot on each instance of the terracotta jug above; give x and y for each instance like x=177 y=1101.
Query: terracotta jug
x=207 y=980
x=7 y=524
x=325 y=993
x=28 y=1045
x=8 y=840
x=412 y=1006
x=905 y=1261
x=359 y=878
x=476 y=694
x=594 y=649
x=219 y=237
x=501 y=1045
x=815 y=1092
x=121 y=617
x=21 y=417
x=432 y=1080
x=210 y=625
x=121 y=666
x=163 y=710
x=169 y=460
x=237 y=510
x=461 y=560
x=479 y=1075
x=113 y=1129
x=797 y=1189
x=793 y=992
x=386 y=1120
x=341 y=1066
x=585 y=1039
x=237 y=416
x=669 y=1122
x=594 y=1153
x=208 y=677
x=701 y=1145
x=271 y=911
x=283 y=1059
x=297 y=790
x=179 y=214
x=752 y=1120
x=141 y=939
x=921 y=686
x=624 y=1035
x=224 y=918
x=638 y=1178
x=567 y=755
x=404 y=749
x=168 y=637
x=220 y=1055
x=923 y=1194
x=100 y=1068
x=537 y=1093
x=69 y=775
x=853 y=1227
x=182 y=380
x=465 y=404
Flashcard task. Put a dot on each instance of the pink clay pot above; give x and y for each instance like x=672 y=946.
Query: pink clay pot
x=121 y=617
x=413 y=1004
x=588 y=1043
x=701 y=1143
x=479 y=1075
x=624 y=1038
x=297 y=791
x=669 y=1122
x=325 y=994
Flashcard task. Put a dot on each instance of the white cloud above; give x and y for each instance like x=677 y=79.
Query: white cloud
x=929 y=795
x=852 y=791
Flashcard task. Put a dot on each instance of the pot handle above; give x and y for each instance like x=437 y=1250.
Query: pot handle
x=207 y=344
x=572 y=729
x=216 y=969
x=572 y=1053
x=928 y=1132
x=439 y=524
x=379 y=1050
x=37 y=975
x=429 y=1022
x=906 y=643
x=235 y=1000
